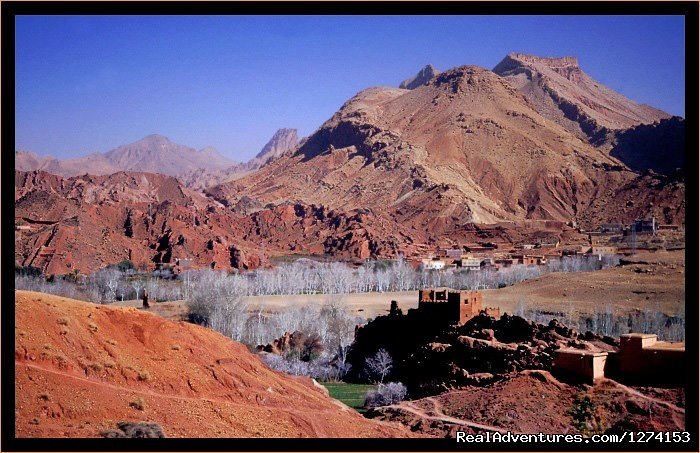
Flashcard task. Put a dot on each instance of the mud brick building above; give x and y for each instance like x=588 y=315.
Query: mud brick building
x=452 y=307
x=580 y=365
x=642 y=358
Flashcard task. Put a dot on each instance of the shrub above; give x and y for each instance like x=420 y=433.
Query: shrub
x=138 y=404
x=123 y=266
x=135 y=430
x=386 y=394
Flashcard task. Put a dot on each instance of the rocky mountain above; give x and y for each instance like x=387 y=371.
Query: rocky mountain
x=87 y=222
x=81 y=369
x=154 y=153
x=560 y=91
x=394 y=170
x=466 y=147
x=423 y=76
x=95 y=163
x=283 y=141
x=157 y=154
x=659 y=147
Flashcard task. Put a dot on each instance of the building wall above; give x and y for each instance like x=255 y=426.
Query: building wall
x=644 y=360
x=596 y=250
x=580 y=365
x=452 y=307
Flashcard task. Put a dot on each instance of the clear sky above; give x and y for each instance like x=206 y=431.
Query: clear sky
x=91 y=83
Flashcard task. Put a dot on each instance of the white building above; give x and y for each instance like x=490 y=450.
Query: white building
x=433 y=264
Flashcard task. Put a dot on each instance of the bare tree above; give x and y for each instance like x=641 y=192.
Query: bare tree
x=379 y=365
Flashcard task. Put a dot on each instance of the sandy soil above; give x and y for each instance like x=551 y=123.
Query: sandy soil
x=81 y=368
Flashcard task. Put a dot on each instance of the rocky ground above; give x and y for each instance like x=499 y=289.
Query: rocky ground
x=534 y=401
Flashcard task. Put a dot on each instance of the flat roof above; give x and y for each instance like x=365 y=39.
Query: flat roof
x=667 y=345
x=573 y=351
x=638 y=335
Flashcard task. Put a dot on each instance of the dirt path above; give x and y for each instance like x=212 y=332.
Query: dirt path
x=646 y=397
x=408 y=406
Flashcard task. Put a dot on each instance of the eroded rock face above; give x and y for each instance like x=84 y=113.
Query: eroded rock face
x=562 y=92
x=85 y=223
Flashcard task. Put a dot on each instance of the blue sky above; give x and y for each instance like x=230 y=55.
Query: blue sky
x=92 y=83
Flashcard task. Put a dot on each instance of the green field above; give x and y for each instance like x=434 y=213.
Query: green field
x=351 y=394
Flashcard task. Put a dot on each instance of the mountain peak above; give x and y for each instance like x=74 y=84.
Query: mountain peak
x=283 y=140
x=424 y=75
x=155 y=138
x=552 y=62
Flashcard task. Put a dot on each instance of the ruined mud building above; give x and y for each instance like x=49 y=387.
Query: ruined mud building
x=445 y=305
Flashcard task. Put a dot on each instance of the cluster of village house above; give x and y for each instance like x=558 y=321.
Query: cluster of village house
x=488 y=256
x=641 y=358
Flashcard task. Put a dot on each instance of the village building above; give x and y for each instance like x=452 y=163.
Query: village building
x=580 y=365
x=433 y=264
x=611 y=228
x=454 y=254
x=448 y=306
x=642 y=358
x=644 y=226
x=601 y=250
x=531 y=260
x=550 y=242
x=472 y=264
x=506 y=262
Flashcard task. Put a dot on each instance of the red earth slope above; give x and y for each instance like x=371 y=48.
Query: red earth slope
x=82 y=368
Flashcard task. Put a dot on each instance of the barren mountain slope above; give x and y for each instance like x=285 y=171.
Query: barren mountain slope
x=81 y=368
x=536 y=402
x=284 y=140
x=563 y=93
x=94 y=164
x=465 y=147
x=659 y=147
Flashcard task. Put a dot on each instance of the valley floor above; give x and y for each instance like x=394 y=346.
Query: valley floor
x=655 y=281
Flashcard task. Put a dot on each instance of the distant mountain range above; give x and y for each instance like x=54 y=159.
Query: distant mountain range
x=157 y=154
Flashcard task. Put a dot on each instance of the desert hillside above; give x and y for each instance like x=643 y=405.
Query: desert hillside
x=83 y=368
x=465 y=147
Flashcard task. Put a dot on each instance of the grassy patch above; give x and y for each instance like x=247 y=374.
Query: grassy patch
x=351 y=394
